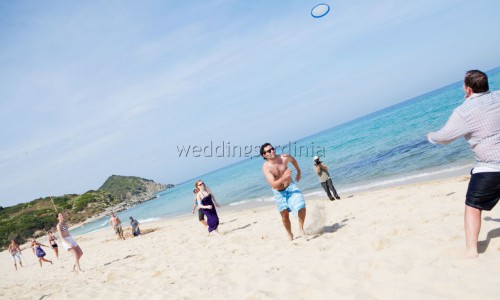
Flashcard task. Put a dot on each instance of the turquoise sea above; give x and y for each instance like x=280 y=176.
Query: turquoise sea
x=387 y=147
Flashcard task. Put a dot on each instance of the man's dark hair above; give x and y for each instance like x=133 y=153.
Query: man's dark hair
x=477 y=81
x=262 y=150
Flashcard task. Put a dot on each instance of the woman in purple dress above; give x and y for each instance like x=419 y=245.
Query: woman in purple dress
x=38 y=251
x=206 y=201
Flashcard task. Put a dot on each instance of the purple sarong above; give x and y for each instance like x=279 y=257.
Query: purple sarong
x=212 y=218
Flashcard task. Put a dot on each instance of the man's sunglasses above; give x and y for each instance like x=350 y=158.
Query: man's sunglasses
x=269 y=150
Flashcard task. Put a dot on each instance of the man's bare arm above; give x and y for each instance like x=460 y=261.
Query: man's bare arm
x=291 y=159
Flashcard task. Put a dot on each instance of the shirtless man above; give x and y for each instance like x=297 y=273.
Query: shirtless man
x=117 y=225
x=15 y=251
x=287 y=195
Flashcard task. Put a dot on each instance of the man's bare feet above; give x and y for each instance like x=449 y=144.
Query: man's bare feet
x=470 y=253
x=304 y=234
x=290 y=236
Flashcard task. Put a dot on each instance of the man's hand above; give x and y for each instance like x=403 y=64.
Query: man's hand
x=287 y=173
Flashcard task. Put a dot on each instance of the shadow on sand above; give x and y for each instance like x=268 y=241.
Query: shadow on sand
x=483 y=245
x=329 y=229
x=491 y=219
x=239 y=228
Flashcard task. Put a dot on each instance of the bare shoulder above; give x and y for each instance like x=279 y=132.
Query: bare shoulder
x=286 y=157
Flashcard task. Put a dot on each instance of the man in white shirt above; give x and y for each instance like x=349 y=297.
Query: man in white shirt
x=478 y=121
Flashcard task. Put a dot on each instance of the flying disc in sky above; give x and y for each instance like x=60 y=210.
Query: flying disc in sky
x=320 y=10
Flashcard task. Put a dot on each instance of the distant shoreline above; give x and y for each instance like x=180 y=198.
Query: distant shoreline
x=316 y=194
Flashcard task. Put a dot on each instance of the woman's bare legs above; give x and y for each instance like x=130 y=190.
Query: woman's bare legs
x=40 y=259
x=77 y=252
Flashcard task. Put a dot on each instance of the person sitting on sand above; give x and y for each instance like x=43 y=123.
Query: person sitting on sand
x=206 y=201
x=68 y=242
x=38 y=251
x=478 y=121
x=201 y=215
x=15 y=251
x=117 y=225
x=135 y=226
x=53 y=243
x=287 y=195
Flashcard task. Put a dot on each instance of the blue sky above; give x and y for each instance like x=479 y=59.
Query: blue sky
x=94 y=88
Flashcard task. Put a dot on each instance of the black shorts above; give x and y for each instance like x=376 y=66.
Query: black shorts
x=484 y=190
x=201 y=215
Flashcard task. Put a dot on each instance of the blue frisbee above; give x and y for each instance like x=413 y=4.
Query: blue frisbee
x=320 y=10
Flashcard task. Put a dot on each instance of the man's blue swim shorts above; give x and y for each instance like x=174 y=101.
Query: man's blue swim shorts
x=290 y=198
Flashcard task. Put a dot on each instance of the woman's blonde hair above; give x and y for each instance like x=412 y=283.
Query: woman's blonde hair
x=196 y=183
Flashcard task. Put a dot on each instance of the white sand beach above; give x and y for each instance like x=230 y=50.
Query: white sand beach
x=399 y=242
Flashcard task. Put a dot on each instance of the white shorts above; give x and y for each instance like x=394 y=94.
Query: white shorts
x=16 y=255
x=69 y=240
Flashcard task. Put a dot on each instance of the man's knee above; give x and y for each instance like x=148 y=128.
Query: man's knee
x=285 y=216
x=302 y=212
x=472 y=210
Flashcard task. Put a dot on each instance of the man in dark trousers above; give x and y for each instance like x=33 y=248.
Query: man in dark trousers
x=321 y=170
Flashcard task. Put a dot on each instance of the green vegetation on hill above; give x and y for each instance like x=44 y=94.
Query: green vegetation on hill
x=131 y=187
x=35 y=218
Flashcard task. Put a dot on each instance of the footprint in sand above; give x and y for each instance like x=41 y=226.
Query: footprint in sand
x=156 y=274
x=380 y=244
x=394 y=232
x=109 y=277
x=312 y=237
